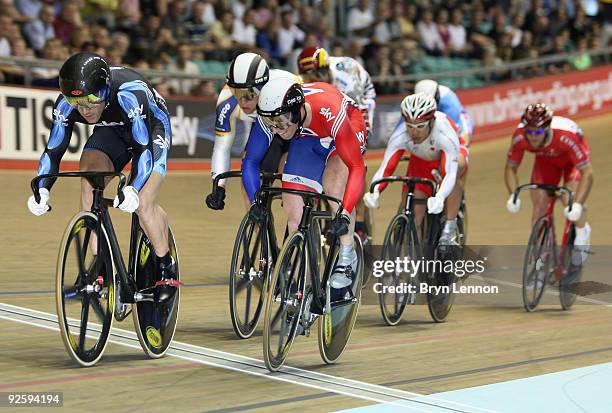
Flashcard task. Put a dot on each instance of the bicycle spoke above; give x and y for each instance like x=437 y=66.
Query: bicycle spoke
x=247 y=307
x=71 y=293
x=246 y=257
x=84 y=319
x=97 y=306
x=80 y=257
x=279 y=313
x=281 y=333
x=258 y=281
x=243 y=283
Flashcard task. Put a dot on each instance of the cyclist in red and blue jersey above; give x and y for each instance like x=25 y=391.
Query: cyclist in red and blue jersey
x=327 y=134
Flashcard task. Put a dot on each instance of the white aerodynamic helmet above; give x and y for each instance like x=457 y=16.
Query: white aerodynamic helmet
x=280 y=103
x=429 y=87
x=248 y=70
x=418 y=107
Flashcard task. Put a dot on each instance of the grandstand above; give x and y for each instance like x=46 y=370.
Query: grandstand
x=397 y=41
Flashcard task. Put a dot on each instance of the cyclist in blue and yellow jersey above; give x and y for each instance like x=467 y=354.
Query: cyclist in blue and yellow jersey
x=246 y=75
x=131 y=122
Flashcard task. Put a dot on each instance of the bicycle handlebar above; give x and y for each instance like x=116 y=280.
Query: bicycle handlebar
x=552 y=188
x=304 y=194
x=236 y=174
x=406 y=180
x=90 y=175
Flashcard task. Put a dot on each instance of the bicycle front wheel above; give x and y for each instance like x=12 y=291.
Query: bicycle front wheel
x=536 y=267
x=84 y=290
x=155 y=322
x=572 y=272
x=335 y=328
x=400 y=241
x=441 y=298
x=250 y=266
x=284 y=302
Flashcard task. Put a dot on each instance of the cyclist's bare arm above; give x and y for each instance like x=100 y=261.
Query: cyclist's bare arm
x=585 y=184
x=511 y=176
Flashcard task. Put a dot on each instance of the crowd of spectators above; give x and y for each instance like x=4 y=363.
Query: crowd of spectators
x=387 y=36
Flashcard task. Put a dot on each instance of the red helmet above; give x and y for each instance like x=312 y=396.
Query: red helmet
x=537 y=116
x=312 y=59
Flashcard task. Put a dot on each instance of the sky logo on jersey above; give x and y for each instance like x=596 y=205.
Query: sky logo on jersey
x=327 y=114
x=137 y=113
x=105 y=123
x=361 y=137
x=163 y=143
x=58 y=117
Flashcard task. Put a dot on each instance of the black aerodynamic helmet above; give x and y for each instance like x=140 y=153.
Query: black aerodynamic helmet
x=85 y=74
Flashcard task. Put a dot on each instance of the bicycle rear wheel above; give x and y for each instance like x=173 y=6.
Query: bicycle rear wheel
x=284 y=301
x=251 y=262
x=536 y=267
x=440 y=299
x=155 y=323
x=84 y=291
x=572 y=273
x=399 y=242
x=335 y=328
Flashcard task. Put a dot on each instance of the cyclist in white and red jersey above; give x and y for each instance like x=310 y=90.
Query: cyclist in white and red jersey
x=433 y=141
x=321 y=123
x=561 y=150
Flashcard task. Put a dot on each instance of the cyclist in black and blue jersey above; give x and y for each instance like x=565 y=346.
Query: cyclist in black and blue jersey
x=131 y=122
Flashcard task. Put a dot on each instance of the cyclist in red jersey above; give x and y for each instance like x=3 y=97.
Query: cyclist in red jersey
x=321 y=123
x=561 y=150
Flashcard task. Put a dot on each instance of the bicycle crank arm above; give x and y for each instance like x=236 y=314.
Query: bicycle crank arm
x=342 y=303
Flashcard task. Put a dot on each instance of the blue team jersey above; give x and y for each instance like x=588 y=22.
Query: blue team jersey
x=450 y=105
x=135 y=107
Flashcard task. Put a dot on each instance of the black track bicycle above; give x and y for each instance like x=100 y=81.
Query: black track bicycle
x=253 y=257
x=399 y=287
x=94 y=286
x=298 y=293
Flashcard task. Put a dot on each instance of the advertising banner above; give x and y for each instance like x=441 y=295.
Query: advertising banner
x=26 y=115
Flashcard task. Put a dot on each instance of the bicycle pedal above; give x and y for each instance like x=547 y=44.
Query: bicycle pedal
x=122 y=311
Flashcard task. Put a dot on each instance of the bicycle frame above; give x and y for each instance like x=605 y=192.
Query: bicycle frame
x=99 y=208
x=262 y=198
x=553 y=196
x=410 y=183
x=309 y=215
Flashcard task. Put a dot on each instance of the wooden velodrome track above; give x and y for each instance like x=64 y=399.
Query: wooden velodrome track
x=477 y=345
